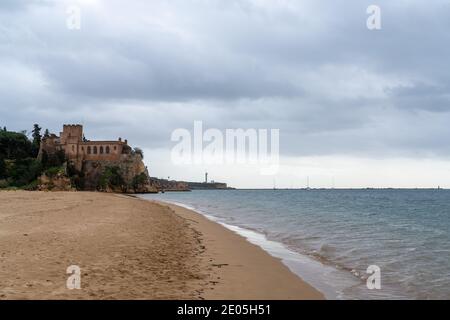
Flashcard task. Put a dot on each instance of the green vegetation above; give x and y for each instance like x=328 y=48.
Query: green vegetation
x=139 y=180
x=14 y=145
x=21 y=172
x=54 y=171
x=111 y=178
x=36 y=143
x=19 y=167
x=2 y=168
x=54 y=160
x=76 y=177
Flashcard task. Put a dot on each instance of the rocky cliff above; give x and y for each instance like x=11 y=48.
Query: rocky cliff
x=163 y=185
x=128 y=174
x=59 y=182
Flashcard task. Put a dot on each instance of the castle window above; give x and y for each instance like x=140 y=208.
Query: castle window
x=101 y=150
x=115 y=148
x=95 y=149
x=89 y=150
x=107 y=149
x=73 y=148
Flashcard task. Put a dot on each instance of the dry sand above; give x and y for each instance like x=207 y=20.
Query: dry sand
x=129 y=248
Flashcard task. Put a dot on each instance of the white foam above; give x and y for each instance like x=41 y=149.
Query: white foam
x=324 y=278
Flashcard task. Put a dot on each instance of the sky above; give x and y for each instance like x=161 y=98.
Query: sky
x=354 y=107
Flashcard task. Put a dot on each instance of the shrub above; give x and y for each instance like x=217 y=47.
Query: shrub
x=2 y=168
x=139 y=180
x=76 y=177
x=23 y=171
x=31 y=186
x=111 y=178
x=53 y=171
x=3 y=183
x=53 y=160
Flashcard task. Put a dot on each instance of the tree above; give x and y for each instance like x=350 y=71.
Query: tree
x=14 y=145
x=17 y=163
x=46 y=133
x=2 y=168
x=36 y=133
x=53 y=160
x=24 y=171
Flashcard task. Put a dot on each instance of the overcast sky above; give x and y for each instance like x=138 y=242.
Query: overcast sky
x=354 y=106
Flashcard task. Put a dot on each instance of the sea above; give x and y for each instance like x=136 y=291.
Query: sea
x=331 y=238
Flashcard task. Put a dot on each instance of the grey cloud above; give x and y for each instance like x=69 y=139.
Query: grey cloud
x=15 y=5
x=310 y=68
x=421 y=97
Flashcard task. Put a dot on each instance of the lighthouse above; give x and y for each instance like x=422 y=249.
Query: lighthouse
x=206 y=177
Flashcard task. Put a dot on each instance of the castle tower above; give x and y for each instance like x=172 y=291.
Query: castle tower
x=72 y=133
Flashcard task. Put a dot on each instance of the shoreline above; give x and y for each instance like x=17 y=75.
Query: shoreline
x=308 y=269
x=255 y=273
x=130 y=248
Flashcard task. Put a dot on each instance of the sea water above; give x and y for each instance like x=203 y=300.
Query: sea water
x=330 y=237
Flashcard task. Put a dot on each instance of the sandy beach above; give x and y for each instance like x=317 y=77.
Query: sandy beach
x=129 y=248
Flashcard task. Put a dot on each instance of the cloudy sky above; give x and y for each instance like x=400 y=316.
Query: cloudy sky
x=355 y=107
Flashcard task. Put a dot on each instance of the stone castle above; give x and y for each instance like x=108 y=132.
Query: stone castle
x=77 y=149
x=92 y=158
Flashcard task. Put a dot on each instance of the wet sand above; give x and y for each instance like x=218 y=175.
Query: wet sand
x=129 y=248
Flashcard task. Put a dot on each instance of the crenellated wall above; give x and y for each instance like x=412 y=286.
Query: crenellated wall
x=72 y=133
x=77 y=150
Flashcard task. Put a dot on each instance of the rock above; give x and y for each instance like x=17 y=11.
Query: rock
x=169 y=185
x=59 y=182
x=132 y=171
